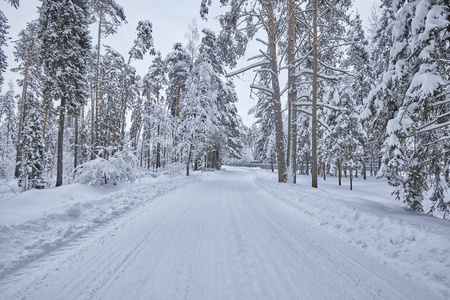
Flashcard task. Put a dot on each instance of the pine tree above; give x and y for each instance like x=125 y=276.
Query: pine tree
x=110 y=16
x=321 y=60
x=233 y=41
x=65 y=48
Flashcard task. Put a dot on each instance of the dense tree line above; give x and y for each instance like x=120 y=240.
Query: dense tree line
x=83 y=110
x=357 y=101
x=354 y=104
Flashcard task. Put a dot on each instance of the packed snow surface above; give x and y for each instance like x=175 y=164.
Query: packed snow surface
x=233 y=234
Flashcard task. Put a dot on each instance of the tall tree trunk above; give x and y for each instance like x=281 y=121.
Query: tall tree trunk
x=77 y=146
x=307 y=164
x=447 y=172
x=279 y=138
x=21 y=112
x=189 y=161
x=314 y=104
x=324 y=171
x=94 y=102
x=158 y=151
x=364 y=162
x=351 y=178
x=371 y=160
x=59 y=160
x=142 y=153
x=340 y=171
x=292 y=93
x=93 y=128
x=82 y=136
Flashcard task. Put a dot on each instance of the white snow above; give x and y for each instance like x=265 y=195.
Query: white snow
x=37 y=221
x=233 y=234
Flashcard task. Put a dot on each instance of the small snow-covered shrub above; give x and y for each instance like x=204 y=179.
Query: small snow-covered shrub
x=122 y=166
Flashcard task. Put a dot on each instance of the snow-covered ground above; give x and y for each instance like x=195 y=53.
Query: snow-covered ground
x=233 y=234
x=36 y=222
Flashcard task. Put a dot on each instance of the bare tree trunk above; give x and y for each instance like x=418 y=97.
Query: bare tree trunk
x=371 y=160
x=59 y=160
x=142 y=153
x=279 y=138
x=189 y=161
x=82 y=136
x=340 y=171
x=314 y=104
x=158 y=150
x=447 y=173
x=94 y=102
x=324 y=171
x=364 y=162
x=76 y=148
x=351 y=178
x=21 y=112
x=292 y=93
x=307 y=164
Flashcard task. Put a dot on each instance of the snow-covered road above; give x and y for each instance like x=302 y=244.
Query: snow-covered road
x=220 y=238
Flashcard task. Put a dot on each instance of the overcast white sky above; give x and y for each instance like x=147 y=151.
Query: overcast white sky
x=170 y=20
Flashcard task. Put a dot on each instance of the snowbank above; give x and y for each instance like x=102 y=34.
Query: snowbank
x=413 y=244
x=37 y=221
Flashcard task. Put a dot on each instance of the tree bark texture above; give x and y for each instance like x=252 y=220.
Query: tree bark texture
x=314 y=104
x=279 y=138
x=340 y=171
x=76 y=146
x=292 y=93
x=59 y=160
x=94 y=101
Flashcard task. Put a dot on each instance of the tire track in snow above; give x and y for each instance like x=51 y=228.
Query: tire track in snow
x=222 y=238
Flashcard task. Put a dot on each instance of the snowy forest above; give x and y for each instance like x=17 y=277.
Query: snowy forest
x=333 y=98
